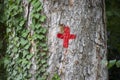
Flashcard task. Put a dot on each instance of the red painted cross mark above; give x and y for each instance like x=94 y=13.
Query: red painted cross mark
x=66 y=36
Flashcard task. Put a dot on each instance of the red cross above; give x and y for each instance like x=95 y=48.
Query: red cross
x=66 y=36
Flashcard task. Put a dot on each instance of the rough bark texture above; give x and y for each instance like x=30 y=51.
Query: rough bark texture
x=82 y=59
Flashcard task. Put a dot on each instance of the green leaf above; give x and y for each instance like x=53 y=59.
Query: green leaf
x=24 y=61
x=23 y=41
x=14 y=72
x=24 y=34
x=32 y=26
x=22 y=23
x=15 y=49
x=45 y=65
x=111 y=63
x=6 y=61
x=44 y=30
x=37 y=4
x=25 y=52
x=42 y=69
x=37 y=31
x=104 y=62
x=27 y=46
x=36 y=36
x=118 y=64
x=16 y=56
x=40 y=8
x=40 y=78
x=34 y=1
x=37 y=15
x=43 y=44
x=37 y=26
x=29 y=0
x=42 y=18
x=43 y=61
x=41 y=37
x=45 y=49
x=29 y=56
x=43 y=54
x=29 y=65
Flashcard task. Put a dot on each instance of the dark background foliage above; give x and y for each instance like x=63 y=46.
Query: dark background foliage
x=2 y=43
x=113 y=28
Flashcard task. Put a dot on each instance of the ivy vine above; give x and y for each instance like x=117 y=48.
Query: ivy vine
x=56 y=77
x=19 y=39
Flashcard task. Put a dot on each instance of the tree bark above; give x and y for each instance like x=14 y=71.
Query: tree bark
x=27 y=13
x=82 y=59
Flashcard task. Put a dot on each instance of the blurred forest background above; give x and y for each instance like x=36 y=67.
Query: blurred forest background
x=113 y=33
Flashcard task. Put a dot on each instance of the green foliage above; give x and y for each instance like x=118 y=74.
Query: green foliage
x=118 y=64
x=113 y=26
x=3 y=73
x=56 y=77
x=113 y=29
x=111 y=63
x=20 y=41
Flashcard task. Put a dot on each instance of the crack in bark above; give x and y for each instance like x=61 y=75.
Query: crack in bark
x=28 y=13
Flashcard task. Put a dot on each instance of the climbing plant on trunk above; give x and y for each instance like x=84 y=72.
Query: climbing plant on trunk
x=26 y=49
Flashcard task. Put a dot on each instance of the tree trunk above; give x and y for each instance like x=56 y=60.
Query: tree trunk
x=82 y=59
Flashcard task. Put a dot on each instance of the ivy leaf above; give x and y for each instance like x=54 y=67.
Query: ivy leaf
x=22 y=23
x=28 y=65
x=41 y=37
x=45 y=65
x=25 y=52
x=14 y=72
x=15 y=49
x=33 y=2
x=24 y=61
x=42 y=69
x=44 y=30
x=45 y=49
x=40 y=8
x=118 y=64
x=6 y=61
x=40 y=78
x=36 y=5
x=42 y=18
x=37 y=26
x=36 y=36
x=43 y=44
x=27 y=46
x=32 y=26
x=111 y=63
x=29 y=56
x=24 y=34
x=43 y=54
x=43 y=61
x=23 y=41
x=16 y=56
x=37 y=31
x=105 y=62
x=37 y=15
